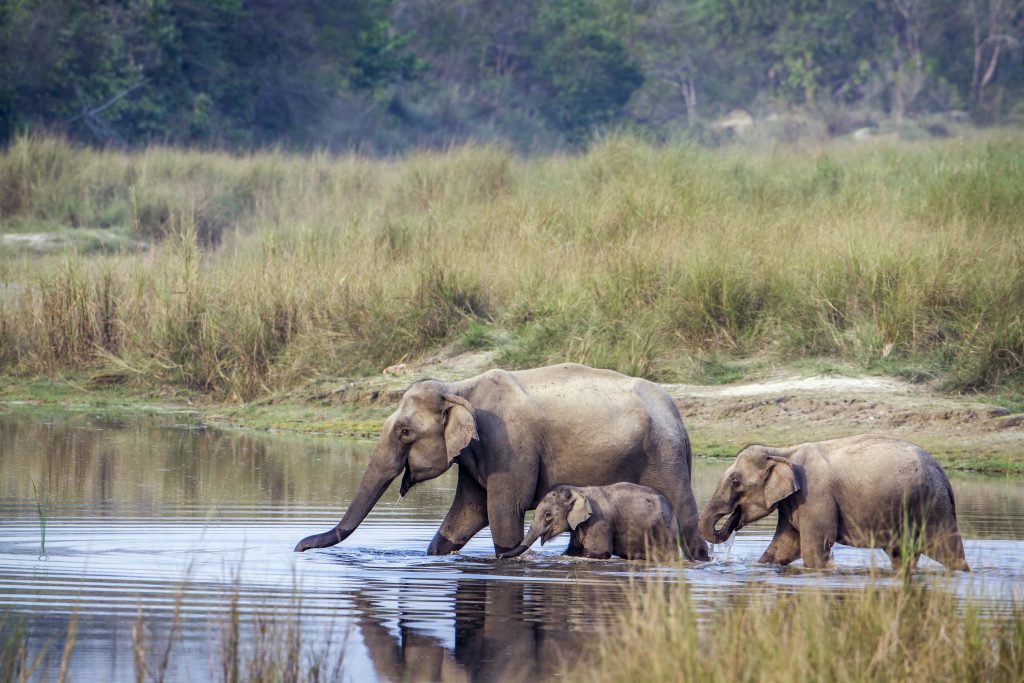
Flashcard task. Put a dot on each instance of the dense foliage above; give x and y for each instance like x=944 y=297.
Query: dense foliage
x=386 y=75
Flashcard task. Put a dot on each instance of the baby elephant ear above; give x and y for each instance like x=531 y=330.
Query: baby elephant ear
x=779 y=481
x=459 y=424
x=579 y=510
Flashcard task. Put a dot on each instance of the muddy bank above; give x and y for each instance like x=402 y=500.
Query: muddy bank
x=966 y=432
x=780 y=407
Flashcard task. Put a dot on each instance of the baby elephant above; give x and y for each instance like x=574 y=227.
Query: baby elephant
x=623 y=519
x=866 y=491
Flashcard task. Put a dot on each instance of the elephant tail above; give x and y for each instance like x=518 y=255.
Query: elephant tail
x=689 y=456
x=952 y=498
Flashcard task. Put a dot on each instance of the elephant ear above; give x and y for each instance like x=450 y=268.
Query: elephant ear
x=579 y=510
x=459 y=424
x=779 y=481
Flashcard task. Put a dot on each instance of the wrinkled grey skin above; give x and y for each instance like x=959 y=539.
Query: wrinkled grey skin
x=865 y=491
x=516 y=434
x=628 y=520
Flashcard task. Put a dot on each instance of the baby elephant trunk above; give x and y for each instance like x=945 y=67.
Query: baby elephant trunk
x=515 y=552
x=524 y=546
x=708 y=523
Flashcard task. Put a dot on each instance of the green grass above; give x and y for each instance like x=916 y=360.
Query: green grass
x=718 y=368
x=477 y=336
x=673 y=263
x=350 y=421
x=879 y=633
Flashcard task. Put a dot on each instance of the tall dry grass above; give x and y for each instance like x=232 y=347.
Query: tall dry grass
x=906 y=632
x=269 y=268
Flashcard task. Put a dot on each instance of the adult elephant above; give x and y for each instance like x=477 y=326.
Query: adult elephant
x=515 y=435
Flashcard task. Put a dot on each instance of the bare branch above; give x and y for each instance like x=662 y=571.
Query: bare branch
x=91 y=113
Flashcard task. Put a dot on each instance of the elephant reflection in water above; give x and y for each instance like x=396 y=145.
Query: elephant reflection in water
x=504 y=630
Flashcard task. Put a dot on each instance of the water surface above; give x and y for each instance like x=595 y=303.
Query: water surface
x=160 y=525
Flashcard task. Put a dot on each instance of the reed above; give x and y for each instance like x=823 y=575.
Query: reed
x=885 y=631
x=42 y=512
x=900 y=632
x=267 y=269
x=266 y=645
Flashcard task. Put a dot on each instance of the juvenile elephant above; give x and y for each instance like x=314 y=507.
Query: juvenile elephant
x=866 y=491
x=622 y=519
x=516 y=434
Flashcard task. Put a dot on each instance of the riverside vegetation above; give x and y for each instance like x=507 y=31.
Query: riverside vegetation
x=878 y=633
x=239 y=276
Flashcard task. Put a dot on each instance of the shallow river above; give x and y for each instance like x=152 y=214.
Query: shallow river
x=156 y=526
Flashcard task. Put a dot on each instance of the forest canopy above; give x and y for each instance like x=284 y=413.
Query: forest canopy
x=383 y=76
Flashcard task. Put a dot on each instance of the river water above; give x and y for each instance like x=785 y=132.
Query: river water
x=159 y=530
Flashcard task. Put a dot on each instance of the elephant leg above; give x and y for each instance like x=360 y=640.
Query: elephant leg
x=597 y=541
x=819 y=525
x=902 y=559
x=816 y=549
x=467 y=516
x=785 y=546
x=506 y=507
x=944 y=544
x=575 y=548
x=685 y=508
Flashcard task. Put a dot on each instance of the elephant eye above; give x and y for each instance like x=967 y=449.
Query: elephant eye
x=735 y=483
x=547 y=515
x=405 y=432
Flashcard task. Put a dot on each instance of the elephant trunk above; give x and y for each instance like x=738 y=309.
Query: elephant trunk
x=713 y=512
x=385 y=465
x=515 y=552
x=530 y=539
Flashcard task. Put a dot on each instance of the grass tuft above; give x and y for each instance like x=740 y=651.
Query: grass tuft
x=265 y=269
x=878 y=633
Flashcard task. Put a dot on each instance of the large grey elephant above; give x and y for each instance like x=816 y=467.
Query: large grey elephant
x=628 y=520
x=866 y=491
x=516 y=434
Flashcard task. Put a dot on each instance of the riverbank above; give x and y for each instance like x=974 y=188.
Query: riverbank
x=242 y=276
x=774 y=405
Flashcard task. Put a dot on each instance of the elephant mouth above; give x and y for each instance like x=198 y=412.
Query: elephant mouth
x=731 y=525
x=407 y=483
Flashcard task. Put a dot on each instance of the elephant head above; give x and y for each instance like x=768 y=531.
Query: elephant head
x=750 y=489
x=562 y=509
x=423 y=437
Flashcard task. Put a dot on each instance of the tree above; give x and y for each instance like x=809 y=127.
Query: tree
x=584 y=73
x=997 y=29
x=220 y=71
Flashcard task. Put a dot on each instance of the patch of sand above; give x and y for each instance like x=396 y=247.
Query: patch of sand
x=783 y=409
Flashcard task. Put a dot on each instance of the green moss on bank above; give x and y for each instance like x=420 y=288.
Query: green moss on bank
x=363 y=416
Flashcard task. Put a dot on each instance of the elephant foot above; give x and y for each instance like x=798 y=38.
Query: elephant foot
x=697 y=551
x=500 y=550
x=442 y=546
x=781 y=561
